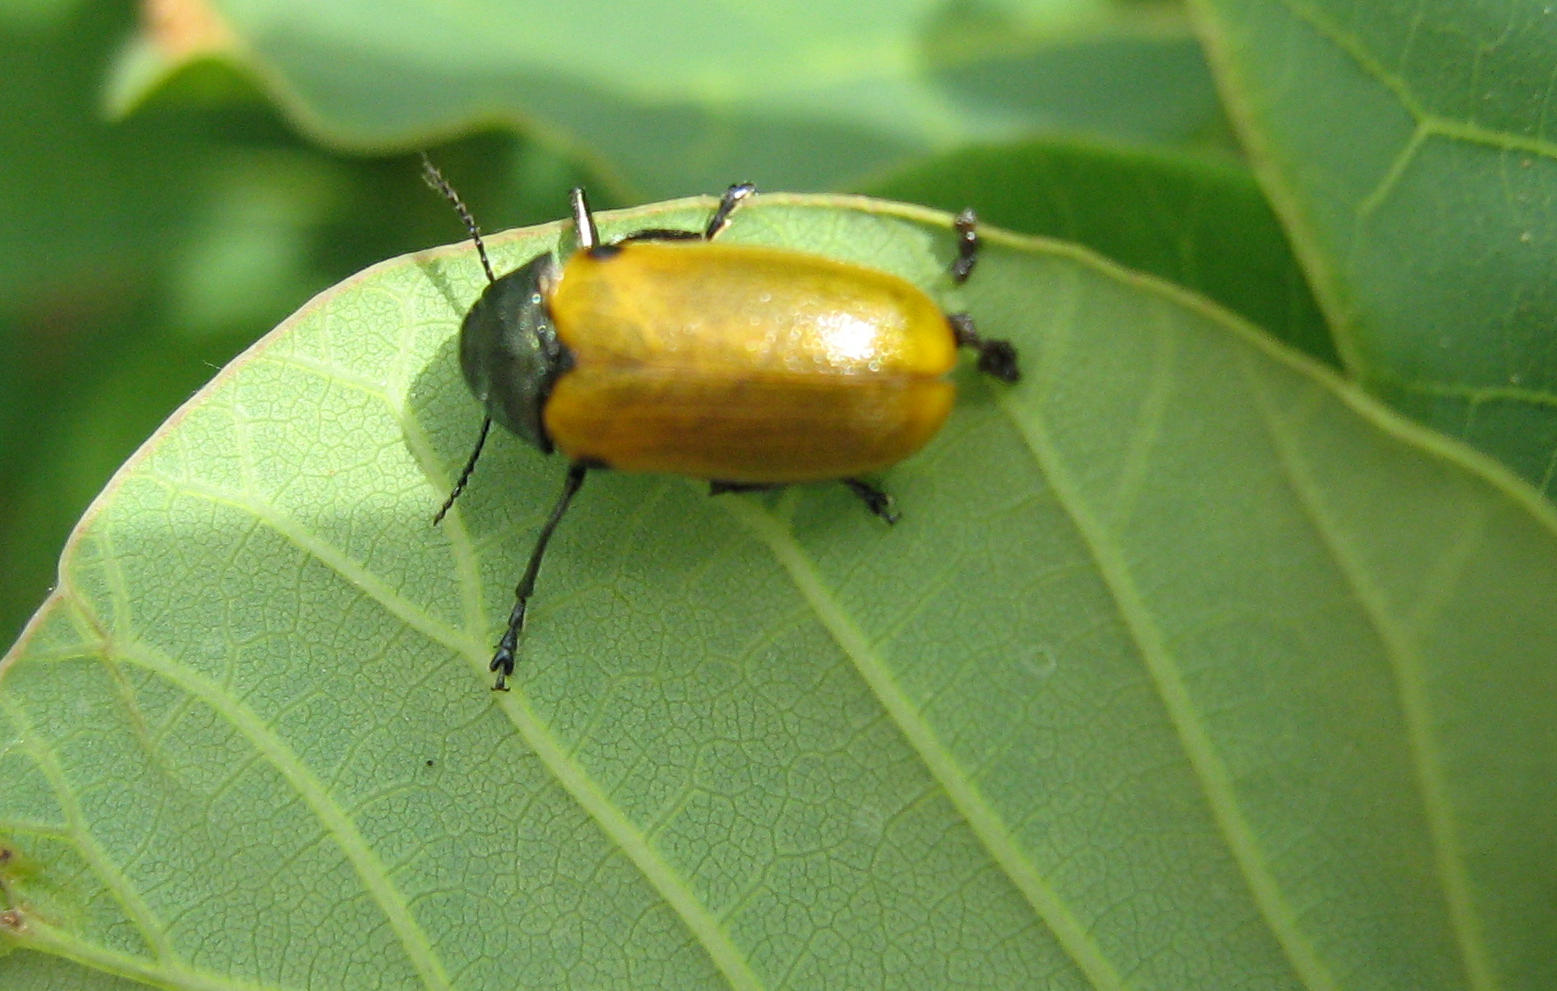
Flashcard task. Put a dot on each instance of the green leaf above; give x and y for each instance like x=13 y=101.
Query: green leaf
x=687 y=97
x=1188 y=666
x=1408 y=155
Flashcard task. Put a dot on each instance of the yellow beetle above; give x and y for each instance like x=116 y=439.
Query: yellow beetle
x=750 y=367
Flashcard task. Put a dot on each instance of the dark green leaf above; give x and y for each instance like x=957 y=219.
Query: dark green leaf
x=1407 y=152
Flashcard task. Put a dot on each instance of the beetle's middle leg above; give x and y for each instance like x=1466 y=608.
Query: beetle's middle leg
x=875 y=500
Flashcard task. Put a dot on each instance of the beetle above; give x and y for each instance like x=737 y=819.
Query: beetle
x=748 y=367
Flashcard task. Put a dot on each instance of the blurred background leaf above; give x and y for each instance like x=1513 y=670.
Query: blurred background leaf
x=675 y=99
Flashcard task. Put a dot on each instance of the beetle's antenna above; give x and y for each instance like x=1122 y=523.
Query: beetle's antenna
x=588 y=234
x=436 y=180
x=470 y=466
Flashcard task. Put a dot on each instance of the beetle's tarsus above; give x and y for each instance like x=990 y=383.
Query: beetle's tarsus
x=967 y=225
x=508 y=646
x=727 y=203
x=877 y=501
x=996 y=358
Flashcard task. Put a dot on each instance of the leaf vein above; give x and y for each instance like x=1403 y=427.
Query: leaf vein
x=980 y=815
x=316 y=796
x=1405 y=658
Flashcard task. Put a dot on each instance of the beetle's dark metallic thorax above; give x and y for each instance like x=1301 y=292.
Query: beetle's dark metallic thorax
x=509 y=349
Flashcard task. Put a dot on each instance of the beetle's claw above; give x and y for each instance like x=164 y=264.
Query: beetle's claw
x=998 y=359
x=503 y=664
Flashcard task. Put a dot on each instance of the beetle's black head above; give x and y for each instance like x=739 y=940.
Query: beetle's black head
x=509 y=350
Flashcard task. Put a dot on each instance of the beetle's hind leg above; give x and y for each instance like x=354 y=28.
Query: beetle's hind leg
x=996 y=358
x=718 y=487
x=875 y=499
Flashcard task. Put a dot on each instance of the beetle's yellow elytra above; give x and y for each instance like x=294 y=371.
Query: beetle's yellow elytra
x=745 y=364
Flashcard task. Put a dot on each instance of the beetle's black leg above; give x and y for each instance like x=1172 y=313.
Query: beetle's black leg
x=719 y=221
x=968 y=244
x=967 y=224
x=589 y=234
x=727 y=203
x=470 y=466
x=503 y=660
x=997 y=358
x=875 y=499
x=659 y=234
x=717 y=487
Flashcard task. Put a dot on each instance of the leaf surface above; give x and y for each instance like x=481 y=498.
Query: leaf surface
x=1188 y=666
x=1409 y=154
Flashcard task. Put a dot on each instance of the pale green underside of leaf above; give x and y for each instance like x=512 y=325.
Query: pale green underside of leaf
x=1187 y=667
x=1409 y=152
